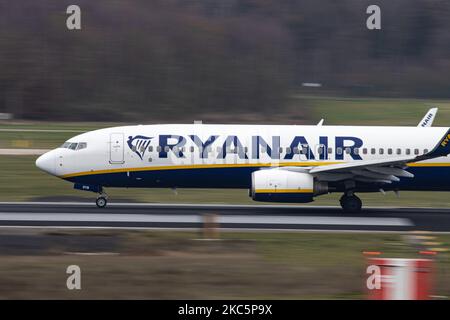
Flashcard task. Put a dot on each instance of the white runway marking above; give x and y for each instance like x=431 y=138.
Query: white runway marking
x=186 y=205
x=240 y=219
x=22 y=152
x=38 y=130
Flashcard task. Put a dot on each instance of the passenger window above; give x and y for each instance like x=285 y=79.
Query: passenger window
x=348 y=150
x=381 y=150
x=408 y=151
x=330 y=150
x=305 y=149
x=281 y=149
x=158 y=148
x=320 y=150
x=372 y=151
x=192 y=149
x=288 y=150
x=356 y=151
x=425 y=151
x=390 y=151
x=339 y=150
x=166 y=149
x=399 y=151
x=416 y=151
x=364 y=150
x=296 y=150
x=150 y=148
x=245 y=149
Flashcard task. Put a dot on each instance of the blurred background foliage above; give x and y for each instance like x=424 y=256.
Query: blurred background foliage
x=218 y=60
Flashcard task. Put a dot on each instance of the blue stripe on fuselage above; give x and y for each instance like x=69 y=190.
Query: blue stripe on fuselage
x=426 y=178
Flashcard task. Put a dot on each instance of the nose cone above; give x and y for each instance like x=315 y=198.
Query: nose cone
x=47 y=162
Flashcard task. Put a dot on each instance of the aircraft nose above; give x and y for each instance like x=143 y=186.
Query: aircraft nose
x=47 y=163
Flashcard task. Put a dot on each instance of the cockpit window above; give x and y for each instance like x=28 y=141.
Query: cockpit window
x=74 y=145
x=81 y=145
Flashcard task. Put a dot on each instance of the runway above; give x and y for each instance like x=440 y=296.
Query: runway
x=266 y=217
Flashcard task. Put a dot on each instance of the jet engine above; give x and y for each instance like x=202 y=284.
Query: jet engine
x=278 y=185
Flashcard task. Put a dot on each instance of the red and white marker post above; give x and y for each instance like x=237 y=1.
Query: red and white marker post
x=399 y=279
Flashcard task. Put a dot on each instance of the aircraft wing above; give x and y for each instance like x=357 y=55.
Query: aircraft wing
x=381 y=170
x=378 y=170
x=362 y=164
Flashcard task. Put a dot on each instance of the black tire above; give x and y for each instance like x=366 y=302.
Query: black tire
x=101 y=202
x=351 y=204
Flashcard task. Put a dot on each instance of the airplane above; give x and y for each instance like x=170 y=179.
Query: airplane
x=276 y=163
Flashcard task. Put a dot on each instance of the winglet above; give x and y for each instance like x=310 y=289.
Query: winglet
x=428 y=119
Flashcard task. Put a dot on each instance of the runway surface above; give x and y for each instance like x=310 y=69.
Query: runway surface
x=282 y=217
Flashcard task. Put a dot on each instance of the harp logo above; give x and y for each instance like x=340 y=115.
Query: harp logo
x=139 y=144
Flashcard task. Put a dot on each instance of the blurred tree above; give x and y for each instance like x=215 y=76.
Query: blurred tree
x=177 y=59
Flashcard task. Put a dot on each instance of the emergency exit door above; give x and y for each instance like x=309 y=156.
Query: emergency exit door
x=116 y=150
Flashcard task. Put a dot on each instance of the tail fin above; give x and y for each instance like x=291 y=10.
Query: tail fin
x=428 y=119
x=442 y=149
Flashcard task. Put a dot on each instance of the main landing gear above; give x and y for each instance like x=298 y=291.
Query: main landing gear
x=102 y=200
x=350 y=203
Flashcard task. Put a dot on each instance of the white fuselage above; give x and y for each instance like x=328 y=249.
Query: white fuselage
x=201 y=155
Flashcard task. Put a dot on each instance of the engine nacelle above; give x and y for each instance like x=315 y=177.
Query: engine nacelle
x=277 y=185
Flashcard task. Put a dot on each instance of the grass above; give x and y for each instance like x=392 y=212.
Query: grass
x=174 y=265
x=335 y=111
x=22 y=181
x=374 y=111
x=53 y=125
x=43 y=139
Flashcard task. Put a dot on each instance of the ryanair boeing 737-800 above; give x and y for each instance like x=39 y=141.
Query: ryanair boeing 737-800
x=277 y=163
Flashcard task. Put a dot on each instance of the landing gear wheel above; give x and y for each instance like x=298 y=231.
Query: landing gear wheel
x=101 y=202
x=351 y=204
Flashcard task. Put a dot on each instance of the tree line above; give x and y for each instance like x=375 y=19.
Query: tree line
x=174 y=59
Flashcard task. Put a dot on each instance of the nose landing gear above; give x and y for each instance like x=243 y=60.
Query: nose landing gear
x=102 y=200
x=350 y=203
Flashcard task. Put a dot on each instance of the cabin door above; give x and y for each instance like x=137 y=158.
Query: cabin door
x=116 y=148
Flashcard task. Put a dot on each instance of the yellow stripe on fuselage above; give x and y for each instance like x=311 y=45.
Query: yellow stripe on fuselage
x=234 y=165
x=202 y=166
x=429 y=164
x=284 y=191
